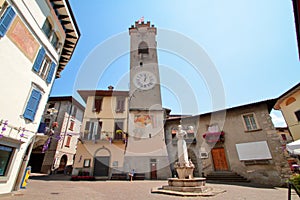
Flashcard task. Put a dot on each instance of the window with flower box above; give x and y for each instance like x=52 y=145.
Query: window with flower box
x=213 y=137
x=189 y=138
x=119 y=125
x=213 y=134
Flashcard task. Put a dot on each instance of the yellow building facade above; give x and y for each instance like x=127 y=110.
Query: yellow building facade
x=101 y=149
x=289 y=105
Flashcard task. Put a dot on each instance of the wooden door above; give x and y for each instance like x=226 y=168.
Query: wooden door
x=153 y=171
x=219 y=159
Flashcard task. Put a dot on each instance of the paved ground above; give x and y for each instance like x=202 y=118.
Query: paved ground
x=59 y=187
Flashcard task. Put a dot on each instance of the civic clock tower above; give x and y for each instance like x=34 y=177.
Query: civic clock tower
x=146 y=149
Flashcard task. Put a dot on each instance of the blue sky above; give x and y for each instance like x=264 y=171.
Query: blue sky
x=251 y=43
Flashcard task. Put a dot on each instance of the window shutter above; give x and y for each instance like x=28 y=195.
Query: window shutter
x=68 y=141
x=97 y=136
x=32 y=105
x=72 y=124
x=51 y=72
x=6 y=20
x=97 y=104
x=87 y=130
x=39 y=59
x=92 y=134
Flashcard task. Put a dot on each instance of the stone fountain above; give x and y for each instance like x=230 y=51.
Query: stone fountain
x=186 y=184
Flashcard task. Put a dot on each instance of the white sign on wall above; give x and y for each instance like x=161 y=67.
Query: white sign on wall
x=253 y=151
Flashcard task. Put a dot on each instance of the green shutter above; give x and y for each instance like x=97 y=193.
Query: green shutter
x=32 y=105
x=6 y=20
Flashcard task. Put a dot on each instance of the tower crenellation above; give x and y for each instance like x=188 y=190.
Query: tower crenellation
x=138 y=25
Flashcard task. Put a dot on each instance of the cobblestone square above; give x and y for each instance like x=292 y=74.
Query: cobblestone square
x=62 y=188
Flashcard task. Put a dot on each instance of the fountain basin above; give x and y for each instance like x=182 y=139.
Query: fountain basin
x=194 y=182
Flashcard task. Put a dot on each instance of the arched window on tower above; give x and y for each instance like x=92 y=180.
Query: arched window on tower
x=143 y=48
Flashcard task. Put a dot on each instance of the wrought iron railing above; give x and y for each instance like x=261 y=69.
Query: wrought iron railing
x=290 y=186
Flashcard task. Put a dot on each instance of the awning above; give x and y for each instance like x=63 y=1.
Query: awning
x=294 y=147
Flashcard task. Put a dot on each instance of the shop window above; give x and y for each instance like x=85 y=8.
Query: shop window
x=5 y=158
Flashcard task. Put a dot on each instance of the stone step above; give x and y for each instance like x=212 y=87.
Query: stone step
x=226 y=176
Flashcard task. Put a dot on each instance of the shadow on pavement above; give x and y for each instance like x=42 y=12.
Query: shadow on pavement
x=244 y=184
x=52 y=177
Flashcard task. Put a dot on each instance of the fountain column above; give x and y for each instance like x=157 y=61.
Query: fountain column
x=184 y=167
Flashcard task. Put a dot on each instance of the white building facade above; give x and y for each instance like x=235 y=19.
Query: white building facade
x=37 y=39
x=59 y=153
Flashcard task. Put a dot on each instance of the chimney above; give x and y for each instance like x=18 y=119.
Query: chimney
x=110 y=88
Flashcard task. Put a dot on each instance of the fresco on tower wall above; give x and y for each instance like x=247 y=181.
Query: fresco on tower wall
x=144 y=121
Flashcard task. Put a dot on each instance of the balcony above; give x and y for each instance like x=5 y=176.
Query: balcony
x=214 y=137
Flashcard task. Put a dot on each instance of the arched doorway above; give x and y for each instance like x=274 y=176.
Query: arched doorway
x=101 y=162
x=62 y=163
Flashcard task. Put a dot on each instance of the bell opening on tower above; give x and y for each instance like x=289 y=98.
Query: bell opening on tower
x=143 y=48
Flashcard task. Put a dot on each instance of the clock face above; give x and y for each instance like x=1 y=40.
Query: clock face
x=144 y=80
